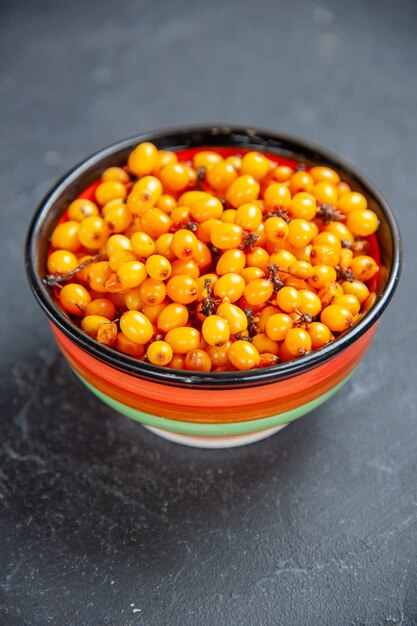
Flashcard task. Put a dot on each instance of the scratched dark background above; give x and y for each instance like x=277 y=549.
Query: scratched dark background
x=101 y=522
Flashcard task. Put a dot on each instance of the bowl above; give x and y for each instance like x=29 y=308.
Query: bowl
x=216 y=409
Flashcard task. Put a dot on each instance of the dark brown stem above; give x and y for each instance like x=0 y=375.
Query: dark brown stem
x=53 y=280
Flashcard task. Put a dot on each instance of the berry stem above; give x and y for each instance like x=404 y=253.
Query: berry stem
x=53 y=280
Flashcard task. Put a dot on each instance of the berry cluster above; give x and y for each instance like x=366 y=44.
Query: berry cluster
x=215 y=263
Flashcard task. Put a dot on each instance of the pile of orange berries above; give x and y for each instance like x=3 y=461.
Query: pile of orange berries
x=217 y=263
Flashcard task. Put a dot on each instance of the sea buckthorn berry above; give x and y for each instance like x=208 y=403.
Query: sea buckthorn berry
x=206 y=208
x=144 y=195
x=166 y=203
x=201 y=284
x=74 y=298
x=243 y=355
x=136 y=326
x=172 y=316
x=163 y=246
x=352 y=201
x=277 y=196
x=302 y=254
x=282 y=173
x=174 y=176
x=276 y=229
x=159 y=353
x=342 y=188
x=155 y=222
x=282 y=259
x=362 y=223
x=320 y=335
x=117 y=216
x=258 y=257
x=152 y=311
x=98 y=274
x=300 y=233
x=328 y=294
x=232 y=260
x=180 y=215
x=218 y=354
x=115 y=243
x=301 y=269
x=101 y=306
x=327 y=239
x=263 y=315
x=229 y=216
x=336 y=317
x=297 y=341
x=182 y=289
x=301 y=181
x=325 y=193
x=242 y=190
x=255 y=164
x=164 y=157
x=80 y=209
x=63 y=261
x=215 y=330
x=131 y=274
x=225 y=236
x=320 y=173
x=303 y=206
x=235 y=160
x=258 y=291
x=132 y=300
x=349 y=301
x=91 y=324
x=182 y=339
x=184 y=244
x=93 y=232
x=66 y=236
x=188 y=198
x=197 y=361
x=221 y=175
x=203 y=232
x=265 y=345
x=185 y=266
x=110 y=190
x=346 y=257
x=363 y=267
x=158 y=267
x=202 y=257
x=234 y=316
x=310 y=303
x=120 y=257
x=229 y=286
x=325 y=255
x=340 y=230
x=142 y=160
x=248 y=216
x=277 y=326
x=288 y=299
x=152 y=292
x=142 y=244
x=323 y=274
x=252 y=273
x=123 y=344
x=357 y=288
x=206 y=158
x=117 y=174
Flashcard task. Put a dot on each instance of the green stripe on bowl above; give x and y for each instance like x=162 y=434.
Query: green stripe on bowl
x=216 y=430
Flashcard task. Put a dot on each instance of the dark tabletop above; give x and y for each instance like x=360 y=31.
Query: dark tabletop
x=104 y=523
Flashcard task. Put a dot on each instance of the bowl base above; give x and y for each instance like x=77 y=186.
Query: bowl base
x=228 y=441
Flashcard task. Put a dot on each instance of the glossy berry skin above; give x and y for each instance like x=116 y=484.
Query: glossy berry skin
x=362 y=223
x=158 y=267
x=277 y=326
x=258 y=291
x=143 y=159
x=172 y=316
x=242 y=190
x=144 y=195
x=232 y=260
x=183 y=339
x=297 y=341
x=159 y=353
x=215 y=330
x=197 y=360
x=336 y=317
x=229 y=286
x=80 y=209
x=225 y=236
x=152 y=292
x=66 y=236
x=184 y=244
x=61 y=262
x=182 y=289
x=74 y=298
x=142 y=244
x=93 y=233
x=243 y=355
x=234 y=316
x=110 y=190
x=136 y=326
x=248 y=216
x=255 y=164
x=101 y=306
x=320 y=335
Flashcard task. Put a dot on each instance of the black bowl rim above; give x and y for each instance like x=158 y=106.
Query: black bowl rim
x=236 y=379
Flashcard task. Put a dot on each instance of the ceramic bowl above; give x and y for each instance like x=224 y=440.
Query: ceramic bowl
x=212 y=409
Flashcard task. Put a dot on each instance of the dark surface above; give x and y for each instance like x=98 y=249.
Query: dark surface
x=103 y=523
